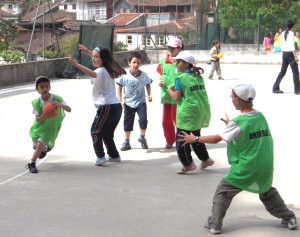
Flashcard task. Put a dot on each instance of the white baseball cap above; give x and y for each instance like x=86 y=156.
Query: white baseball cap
x=185 y=56
x=245 y=92
x=174 y=42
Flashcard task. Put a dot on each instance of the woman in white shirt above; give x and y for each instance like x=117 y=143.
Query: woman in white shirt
x=289 y=57
x=109 y=109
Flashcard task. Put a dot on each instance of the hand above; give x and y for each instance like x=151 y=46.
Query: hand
x=82 y=48
x=186 y=138
x=149 y=98
x=161 y=84
x=225 y=119
x=55 y=104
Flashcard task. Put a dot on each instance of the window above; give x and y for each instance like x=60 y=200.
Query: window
x=159 y=40
x=10 y=7
x=148 y=40
x=97 y=11
x=65 y=7
x=74 y=6
x=129 y=39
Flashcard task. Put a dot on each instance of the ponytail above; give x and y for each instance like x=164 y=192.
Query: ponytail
x=289 y=25
x=196 y=70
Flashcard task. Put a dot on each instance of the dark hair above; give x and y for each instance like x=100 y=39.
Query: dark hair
x=216 y=41
x=41 y=79
x=196 y=70
x=111 y=65
x=289 y=25
x=134 y=55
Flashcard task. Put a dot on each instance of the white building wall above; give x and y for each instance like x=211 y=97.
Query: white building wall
x=15 y=9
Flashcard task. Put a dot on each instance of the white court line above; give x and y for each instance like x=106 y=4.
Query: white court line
x=19 y=175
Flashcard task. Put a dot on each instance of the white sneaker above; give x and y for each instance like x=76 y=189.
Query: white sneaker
x=118 y=159
x=100 y=161
x=211 y=229
x=290 y=223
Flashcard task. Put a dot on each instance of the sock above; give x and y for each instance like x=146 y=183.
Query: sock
x=126 y=141
x=142 y=137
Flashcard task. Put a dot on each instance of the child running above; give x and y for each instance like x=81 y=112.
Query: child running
x=109 y=109
x=250 y=154
x=44 y=130
x=167 y=69
x=131 y=93
x=193 y=110
x=215 y=60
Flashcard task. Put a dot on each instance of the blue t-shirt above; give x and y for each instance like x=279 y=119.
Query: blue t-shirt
x=134 y=88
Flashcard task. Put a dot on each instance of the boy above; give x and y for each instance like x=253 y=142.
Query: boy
x=250 y=154
x=45 y=130
x=131 y=93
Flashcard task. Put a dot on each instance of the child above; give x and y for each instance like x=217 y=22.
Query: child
x=215 y=60
x=250 y=154
x=167 y=69
x=44 y=130
x=267 y=42
x=132 y=86
x=193 y=110
x=109 y=109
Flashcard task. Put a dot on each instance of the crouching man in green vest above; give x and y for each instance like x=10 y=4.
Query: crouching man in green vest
x=250 y=154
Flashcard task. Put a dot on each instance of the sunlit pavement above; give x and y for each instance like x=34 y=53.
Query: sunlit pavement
x=142 y=195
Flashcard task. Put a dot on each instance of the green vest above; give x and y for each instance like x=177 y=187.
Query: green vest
x=251 y=155
x=47 y=129
x=193 y=109
x=297 y=41
x=168 y=77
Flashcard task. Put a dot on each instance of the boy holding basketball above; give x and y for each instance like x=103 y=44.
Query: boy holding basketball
x=46 y=126
x=250 y=154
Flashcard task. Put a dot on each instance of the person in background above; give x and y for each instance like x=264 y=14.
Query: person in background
x=277 y=41
x=167 y=70
x=289 y=58
x=215 y=60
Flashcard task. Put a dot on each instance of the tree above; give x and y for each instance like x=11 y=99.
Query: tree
x=245 y=13
x=7 y=34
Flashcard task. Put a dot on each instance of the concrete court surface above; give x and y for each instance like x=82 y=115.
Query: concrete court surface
x=142 y=195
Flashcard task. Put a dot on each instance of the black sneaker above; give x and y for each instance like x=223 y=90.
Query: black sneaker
x=143 y=143
x=125 y=147
x=290 y=223
x=32 y=167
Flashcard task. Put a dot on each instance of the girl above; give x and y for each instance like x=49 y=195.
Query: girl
x=193 y=110
x=289 y=57
x=108 y=106
x=167 y=69
x=215 y=60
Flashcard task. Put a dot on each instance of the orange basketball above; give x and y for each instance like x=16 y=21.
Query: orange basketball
x=49 y=110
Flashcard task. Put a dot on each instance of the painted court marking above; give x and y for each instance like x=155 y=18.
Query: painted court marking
x=19 y=175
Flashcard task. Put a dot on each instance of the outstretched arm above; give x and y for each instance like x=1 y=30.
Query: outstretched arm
x=190 y=138
x=148 y=89
x=85 y=50
x=82 y=68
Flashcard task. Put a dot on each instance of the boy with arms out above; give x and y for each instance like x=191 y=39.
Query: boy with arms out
x=250 y=154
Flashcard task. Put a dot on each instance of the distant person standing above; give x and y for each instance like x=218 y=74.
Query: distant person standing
x=297 y=41
x=267 y=42
x=289 y=57
x=277 y=41
x=215 y=56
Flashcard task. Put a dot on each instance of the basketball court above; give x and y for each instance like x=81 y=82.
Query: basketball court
x=142 y=195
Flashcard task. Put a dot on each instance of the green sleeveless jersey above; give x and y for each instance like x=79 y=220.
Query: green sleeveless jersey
x=193 y=109
x=168 y=77
x=251 y=155
x=48 y=128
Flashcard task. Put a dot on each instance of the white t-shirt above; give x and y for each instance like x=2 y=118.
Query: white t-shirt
x=287 y=45
x=232 y=130
x=104 y=91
